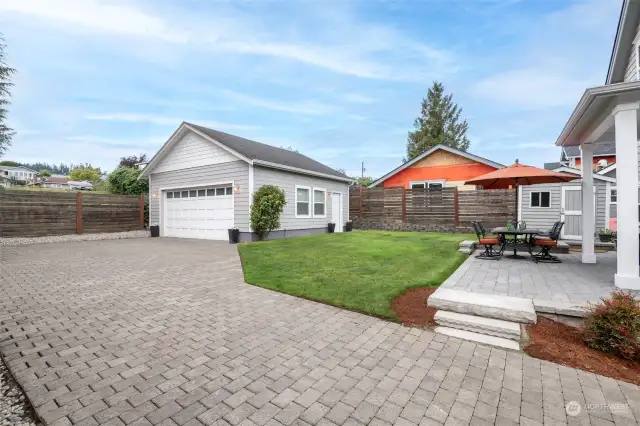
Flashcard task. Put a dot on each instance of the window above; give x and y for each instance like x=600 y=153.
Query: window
x=176 y=194
x=211 y=192
x=219 y=191
x=185 y=194
x=319 y=201
x=436 y=184
x=201 y=192
x=169 y=194
x=540 y=199
x=614 y=195
x=192 y=193
x=303 y=200
x=229 y=190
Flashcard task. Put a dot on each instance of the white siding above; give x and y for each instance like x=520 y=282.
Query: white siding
x=630 y=72
x=543 y=218
x=288 y=181
x=236 y=171
x=193 y=151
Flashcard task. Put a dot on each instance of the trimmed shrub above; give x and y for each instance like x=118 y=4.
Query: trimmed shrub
x=613 y=326
x=268 y=202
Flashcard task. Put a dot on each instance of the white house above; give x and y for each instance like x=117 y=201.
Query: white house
x=605 y=114
x=18 y=173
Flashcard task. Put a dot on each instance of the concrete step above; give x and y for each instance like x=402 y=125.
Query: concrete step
x=479 y=338
x=492 y=327
x=506 y=308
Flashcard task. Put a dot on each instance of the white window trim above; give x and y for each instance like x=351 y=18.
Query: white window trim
x=314 y=203
x=310 y=202
x=540 y=199
x=426 y=182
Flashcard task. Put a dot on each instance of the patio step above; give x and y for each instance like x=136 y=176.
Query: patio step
x=479 y=338
x=506 y=308
x=492 y=327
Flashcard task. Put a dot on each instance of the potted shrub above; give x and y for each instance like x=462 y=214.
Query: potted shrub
x=332 y=227
x=234 y=235
x=349 y=226
x=606 y=235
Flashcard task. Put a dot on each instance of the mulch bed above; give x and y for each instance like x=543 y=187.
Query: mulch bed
x=411 y=307
x=560 y=343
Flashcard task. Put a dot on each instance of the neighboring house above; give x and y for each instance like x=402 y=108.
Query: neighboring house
x=202 y=181
x=440 y=166
x=607 y=115
x=540 y=206
x=55 y=181
x=19 y=173
x=604 y=155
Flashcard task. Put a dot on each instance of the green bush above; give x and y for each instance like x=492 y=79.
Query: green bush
x=268 y=202
x=613 y=326
x=124 y=181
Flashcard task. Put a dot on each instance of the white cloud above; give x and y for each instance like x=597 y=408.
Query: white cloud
x=166 y=120
x=302 y=107
x=357 y=98
x=532 y=88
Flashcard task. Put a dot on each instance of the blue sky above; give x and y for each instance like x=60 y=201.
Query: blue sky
x=338 y=80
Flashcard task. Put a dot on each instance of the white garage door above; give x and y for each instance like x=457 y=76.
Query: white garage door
x=199 y=213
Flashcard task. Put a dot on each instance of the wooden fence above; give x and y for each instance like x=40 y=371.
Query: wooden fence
x=445 y=209
x=40 y=213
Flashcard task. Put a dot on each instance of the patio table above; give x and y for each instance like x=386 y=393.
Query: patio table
x=510 y=238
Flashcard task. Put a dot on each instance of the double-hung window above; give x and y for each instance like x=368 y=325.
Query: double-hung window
x=303 y=201
x=540 y=199
x=427 y=184
x=319 y=202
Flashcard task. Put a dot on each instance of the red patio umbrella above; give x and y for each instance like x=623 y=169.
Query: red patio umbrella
x=518 y=174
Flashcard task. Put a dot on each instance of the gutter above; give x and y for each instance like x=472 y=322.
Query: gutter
x=301 y=171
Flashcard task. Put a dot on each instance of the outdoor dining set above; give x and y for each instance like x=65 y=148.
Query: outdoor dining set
x=518 y=236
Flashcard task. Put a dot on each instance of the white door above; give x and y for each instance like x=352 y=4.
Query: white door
x=571 y=212
x=205 y=213
x=336 y=211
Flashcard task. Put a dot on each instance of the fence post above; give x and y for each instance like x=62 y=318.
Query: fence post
x=79 y=224
x=141 y=211
x=456 y=208
x=404 y=207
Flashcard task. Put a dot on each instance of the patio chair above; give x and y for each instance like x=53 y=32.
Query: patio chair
x=551 y=231
x=546 y=244
x=488 y=242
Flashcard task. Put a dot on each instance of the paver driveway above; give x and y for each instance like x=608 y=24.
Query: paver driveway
x=163 y=331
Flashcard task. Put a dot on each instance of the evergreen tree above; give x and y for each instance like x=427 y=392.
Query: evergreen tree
x=439 y=123
x=5 y=84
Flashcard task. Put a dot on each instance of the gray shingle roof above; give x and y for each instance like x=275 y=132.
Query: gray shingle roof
x=604 y=148
x=260 y=151
x=552 y=166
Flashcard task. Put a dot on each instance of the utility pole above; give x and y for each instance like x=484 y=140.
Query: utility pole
x=363 y=169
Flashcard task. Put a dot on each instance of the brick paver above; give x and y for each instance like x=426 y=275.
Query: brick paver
x=165 y=331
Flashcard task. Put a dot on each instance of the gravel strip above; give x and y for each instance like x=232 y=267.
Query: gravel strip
x=14 y=408
x=73 y=237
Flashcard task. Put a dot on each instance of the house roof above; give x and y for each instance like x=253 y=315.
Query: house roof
x=55 y=179
x=623 y=43
x=254 y=153
x=16 y=168
x=553 y=166
x=566 y=169
x=599 y=150
x=429 y=152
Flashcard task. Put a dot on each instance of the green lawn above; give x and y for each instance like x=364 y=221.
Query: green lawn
x=362 y=270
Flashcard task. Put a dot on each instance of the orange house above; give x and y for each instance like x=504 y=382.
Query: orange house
x=441 y=166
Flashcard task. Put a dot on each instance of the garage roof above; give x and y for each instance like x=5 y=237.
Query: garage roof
x=262 y=152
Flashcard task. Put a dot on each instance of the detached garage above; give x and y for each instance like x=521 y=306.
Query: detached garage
x=201 y=183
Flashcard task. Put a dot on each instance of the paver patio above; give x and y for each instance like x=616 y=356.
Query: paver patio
x=163 y=331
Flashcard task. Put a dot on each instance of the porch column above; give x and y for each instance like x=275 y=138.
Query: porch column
x=588 y=205
x=625 y=118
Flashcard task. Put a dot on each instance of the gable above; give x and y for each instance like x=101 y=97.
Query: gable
x=192 y=150
x=441 y=157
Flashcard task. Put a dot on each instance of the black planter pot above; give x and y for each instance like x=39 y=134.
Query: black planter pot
x=155 y=230
x=349 y=226
x=331 y=227
x=234 y=235
x=605 y=238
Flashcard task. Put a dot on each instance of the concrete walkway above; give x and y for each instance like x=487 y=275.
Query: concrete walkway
x=164 y=331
